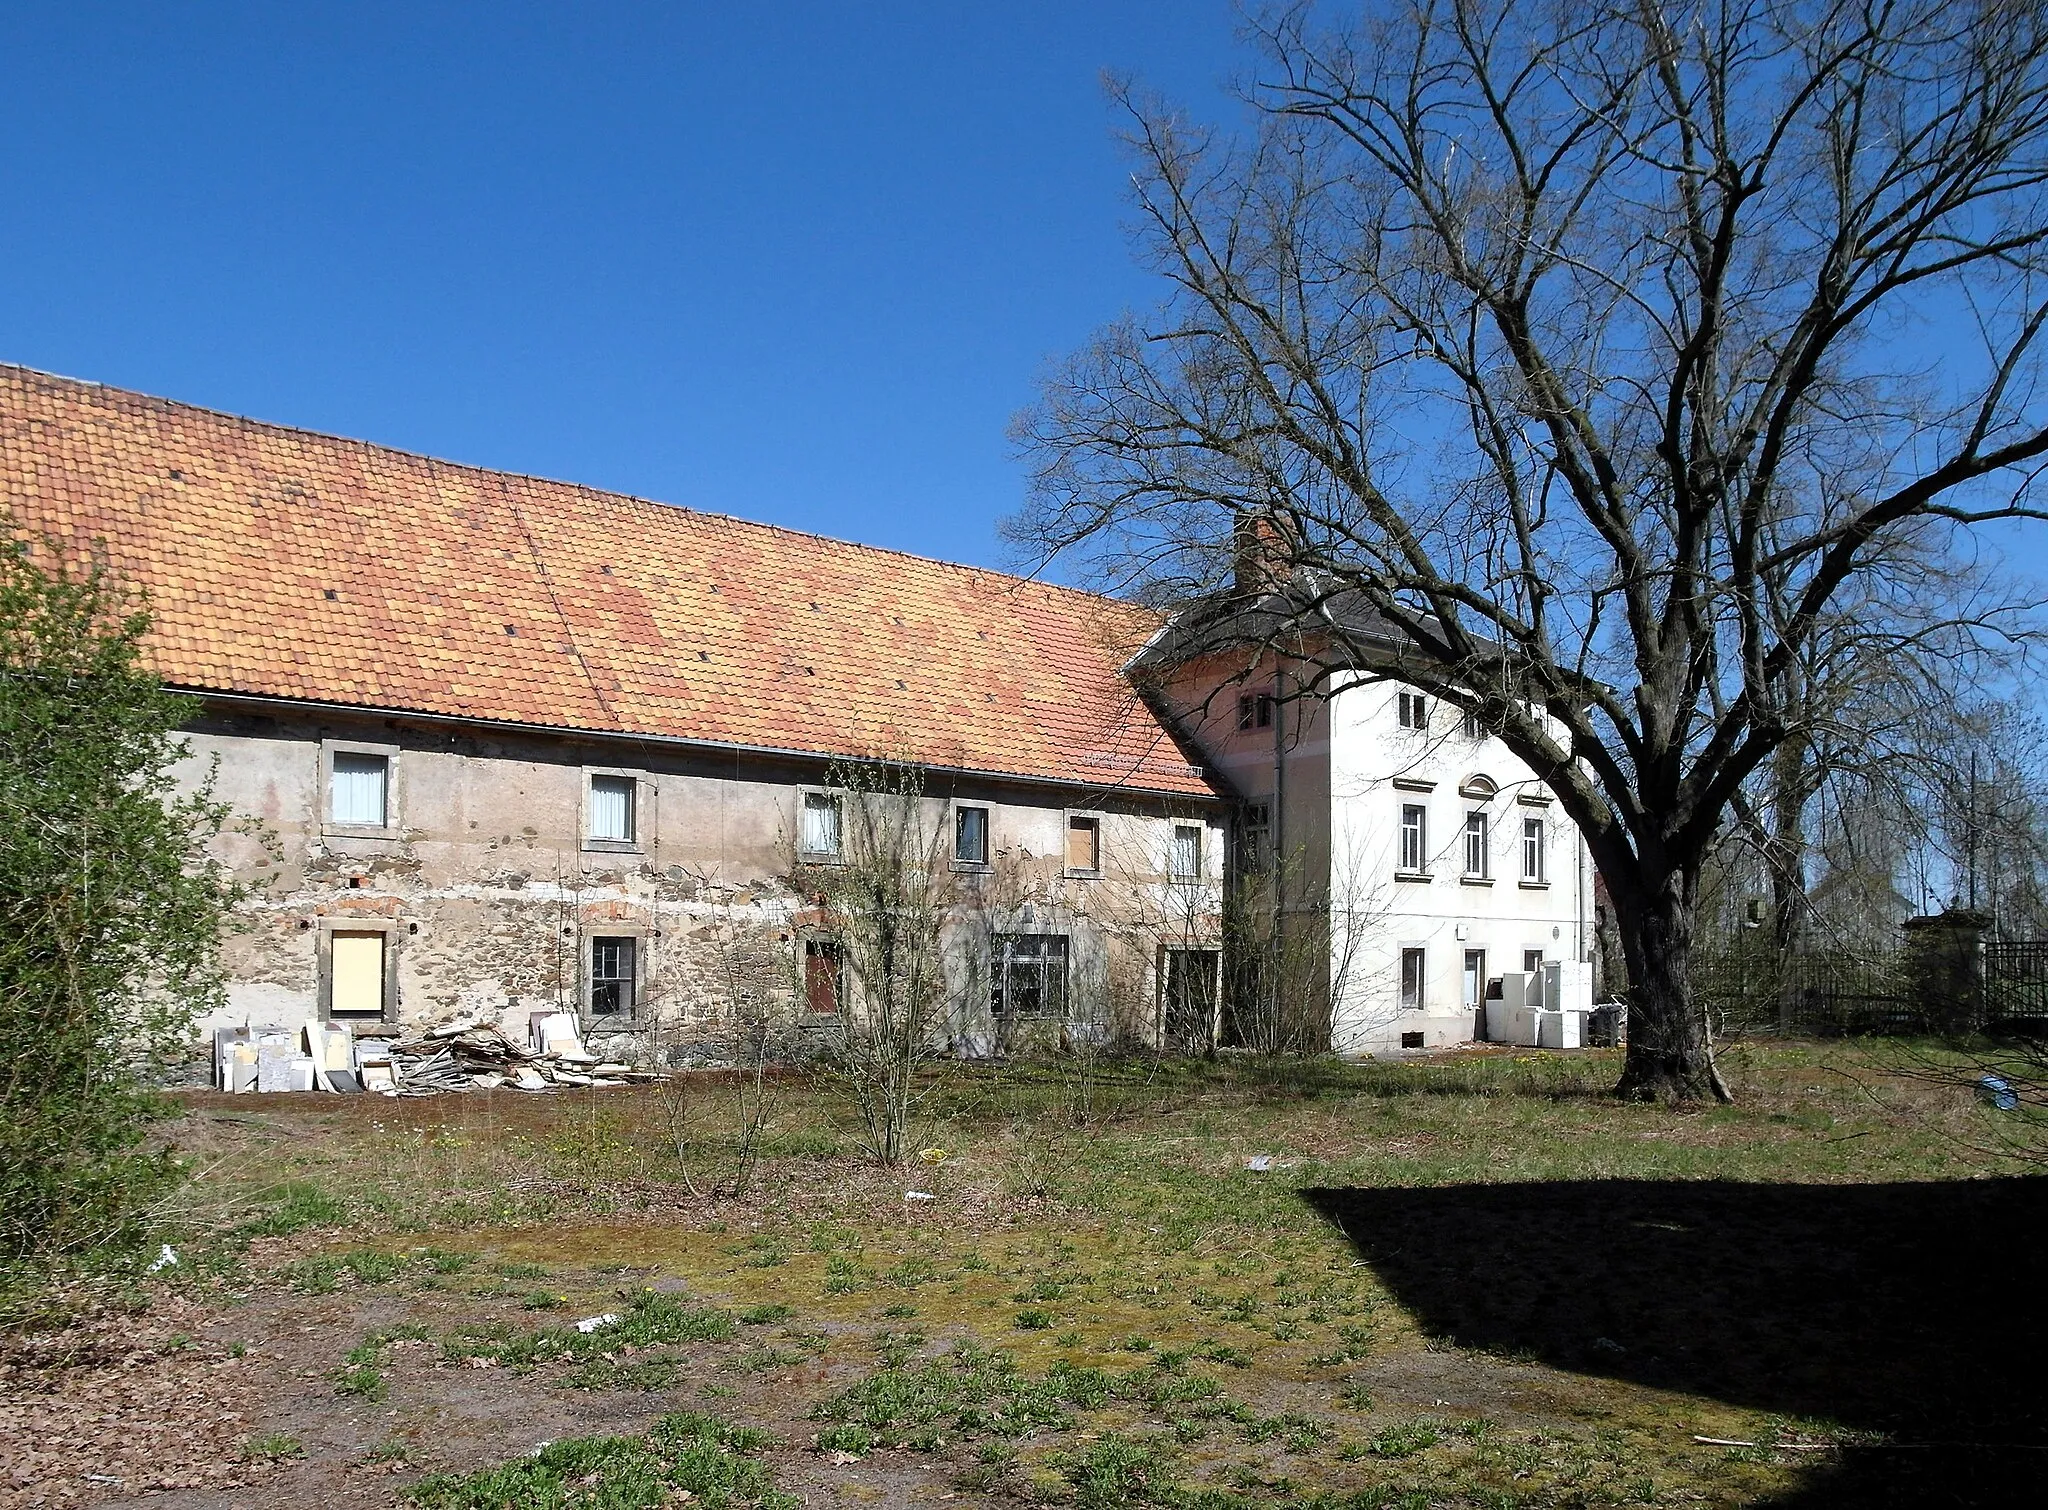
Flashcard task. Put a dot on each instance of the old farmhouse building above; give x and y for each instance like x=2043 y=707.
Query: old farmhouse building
x=522 y=746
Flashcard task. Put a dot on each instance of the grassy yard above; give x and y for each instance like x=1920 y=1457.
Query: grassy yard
x=1459 y=1282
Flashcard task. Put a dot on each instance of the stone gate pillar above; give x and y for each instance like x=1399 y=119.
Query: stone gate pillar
x=1945 y=968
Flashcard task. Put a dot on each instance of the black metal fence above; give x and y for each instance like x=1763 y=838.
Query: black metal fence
x=1810 y=994
x=1831 y=993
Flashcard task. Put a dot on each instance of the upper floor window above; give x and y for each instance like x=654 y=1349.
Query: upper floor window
x=1184 y=861
x=1255 y=710
x=1475 y=846
x=1414 y=710
x=1470 y=726
x=1254 y=837
x=1084 y=844
x=612 y=803
x=360 y=789
x=1533 y=857
x=1414 y=838
x=970 y=835
x=820 y=837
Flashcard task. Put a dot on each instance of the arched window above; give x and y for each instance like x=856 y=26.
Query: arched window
x=1479 y=785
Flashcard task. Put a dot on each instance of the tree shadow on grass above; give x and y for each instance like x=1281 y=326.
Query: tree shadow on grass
x=1919 y=1311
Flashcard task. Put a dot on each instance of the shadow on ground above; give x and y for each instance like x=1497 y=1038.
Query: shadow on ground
x=1914 y=1310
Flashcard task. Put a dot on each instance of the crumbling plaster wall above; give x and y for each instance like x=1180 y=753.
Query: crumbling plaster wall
x=491 y=893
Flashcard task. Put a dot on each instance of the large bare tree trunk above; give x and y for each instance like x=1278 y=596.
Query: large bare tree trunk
x=1670 y=1054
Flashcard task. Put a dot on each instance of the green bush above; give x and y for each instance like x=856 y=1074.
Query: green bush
x=110 y=909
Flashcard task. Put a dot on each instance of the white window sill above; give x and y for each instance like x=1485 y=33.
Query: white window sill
x=1534 y=885
x=612 y=847
x=1413 y=875
x=1475 y=880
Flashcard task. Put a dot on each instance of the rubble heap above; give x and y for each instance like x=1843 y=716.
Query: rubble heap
x=466 y=1054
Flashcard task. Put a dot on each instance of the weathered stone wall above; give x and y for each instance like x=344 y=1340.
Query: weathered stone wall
x=490 y=890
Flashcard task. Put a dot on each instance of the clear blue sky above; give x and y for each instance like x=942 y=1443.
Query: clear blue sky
x=798 y=262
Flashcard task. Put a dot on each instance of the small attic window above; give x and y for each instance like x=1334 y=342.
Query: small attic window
x=605 y=570
x=331 y=595
x=512 y=629
x=176 y=475
x=1478 y=784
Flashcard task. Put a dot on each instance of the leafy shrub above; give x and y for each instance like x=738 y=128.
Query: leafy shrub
x=111 y=909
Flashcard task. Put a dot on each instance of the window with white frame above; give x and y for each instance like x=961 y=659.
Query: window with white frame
x=1470 y=726
x=820 y=836
x=1533 y=858
x=970 y=835
x=1414 y=977
x=361 y=789
x=1414 y=838
x=614 y=976
x=1413 y=710
x=1475 y=846
x=1028 y=978
x=613 y=819
x=1184 y=859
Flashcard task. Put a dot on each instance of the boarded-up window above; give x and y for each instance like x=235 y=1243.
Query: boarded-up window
x=361 y=788
x=356 y=975
x=824 y=975
x=611 y=808
x=1084 y=844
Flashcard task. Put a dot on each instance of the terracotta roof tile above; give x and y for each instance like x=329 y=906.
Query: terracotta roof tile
x=289 y=564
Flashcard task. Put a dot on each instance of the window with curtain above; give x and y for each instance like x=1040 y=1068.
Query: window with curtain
x=611 y=808
x=821 y=824
x=361 y=789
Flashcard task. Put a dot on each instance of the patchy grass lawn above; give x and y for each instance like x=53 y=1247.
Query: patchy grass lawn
x=1462 y=1282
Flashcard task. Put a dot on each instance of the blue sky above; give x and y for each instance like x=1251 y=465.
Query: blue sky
x=799 y=262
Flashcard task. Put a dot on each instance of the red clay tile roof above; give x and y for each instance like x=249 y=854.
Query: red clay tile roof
x=295 y=565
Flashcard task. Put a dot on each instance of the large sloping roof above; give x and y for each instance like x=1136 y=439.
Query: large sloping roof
x=288 y=564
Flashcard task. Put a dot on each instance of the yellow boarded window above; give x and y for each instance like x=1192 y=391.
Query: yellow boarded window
x=358 y=975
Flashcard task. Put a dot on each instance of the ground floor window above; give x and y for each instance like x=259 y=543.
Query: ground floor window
x=356 y=974
x=1412 y=978
x=824 y=976
x=1475 y=977
x=1029 y=976
x=614 y=976
x=1188 y=998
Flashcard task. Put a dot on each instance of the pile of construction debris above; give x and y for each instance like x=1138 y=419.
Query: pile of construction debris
x=465 y=1053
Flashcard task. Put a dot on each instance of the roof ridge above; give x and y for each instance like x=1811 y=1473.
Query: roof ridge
x=278 y=426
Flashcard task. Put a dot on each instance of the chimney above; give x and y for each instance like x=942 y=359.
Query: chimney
x=1260 y=560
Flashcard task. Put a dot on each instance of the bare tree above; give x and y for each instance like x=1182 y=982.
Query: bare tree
x=876 y=861
x=1571 y=363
